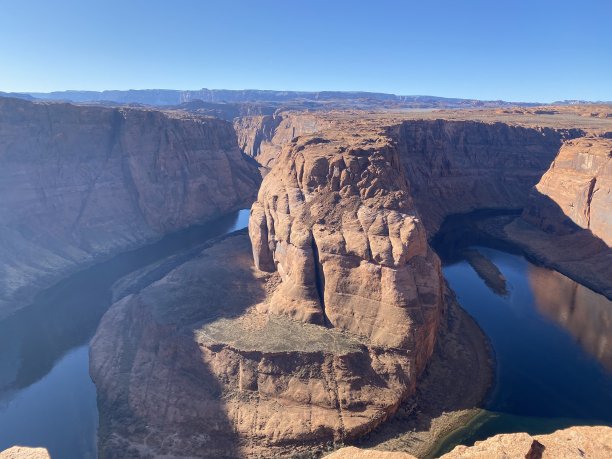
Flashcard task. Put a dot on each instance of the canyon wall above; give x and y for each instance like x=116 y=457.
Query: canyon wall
x=263 y=137
x=567 y=223
x=321 y=340
x=78 y=183
x=460 y=166
x=576 y=191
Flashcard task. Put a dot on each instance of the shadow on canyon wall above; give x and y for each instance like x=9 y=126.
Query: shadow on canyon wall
x=66 y=315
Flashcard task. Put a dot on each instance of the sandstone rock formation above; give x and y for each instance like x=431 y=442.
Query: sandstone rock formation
x=244 y=361
x=571 y=443
x=321 y=340
x=191 y=366
x=24 y=452
x=335 y=218
x=459 y=166
x=79 y=183
x=576 y=192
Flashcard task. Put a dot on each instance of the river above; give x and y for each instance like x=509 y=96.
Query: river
x=552 y=340
x=46 y=395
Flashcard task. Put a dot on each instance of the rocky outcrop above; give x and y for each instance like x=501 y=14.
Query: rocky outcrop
x=319 y=343
x=192 y=365
x=576 y=191
x=79 y=183
x=24 y=452
x=572 y=443
x=336 y=220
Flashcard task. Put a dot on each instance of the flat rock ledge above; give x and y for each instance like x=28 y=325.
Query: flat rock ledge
x=24 y=452
x=572 y=443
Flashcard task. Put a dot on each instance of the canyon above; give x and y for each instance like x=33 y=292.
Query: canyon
x=314 y=327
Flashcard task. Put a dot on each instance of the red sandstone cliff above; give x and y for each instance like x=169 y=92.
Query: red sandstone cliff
x=82 y=182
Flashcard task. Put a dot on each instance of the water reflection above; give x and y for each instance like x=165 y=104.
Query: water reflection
x=545 y=380
x=586 y=315
x=46 y=396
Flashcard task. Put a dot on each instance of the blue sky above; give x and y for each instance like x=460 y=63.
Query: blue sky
x=537 y=50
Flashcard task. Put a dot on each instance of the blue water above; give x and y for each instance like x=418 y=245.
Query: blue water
x=47 y=398
x=551 y=341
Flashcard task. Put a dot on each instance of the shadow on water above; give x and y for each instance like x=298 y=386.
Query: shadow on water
x=550 y=336
x=46 y=396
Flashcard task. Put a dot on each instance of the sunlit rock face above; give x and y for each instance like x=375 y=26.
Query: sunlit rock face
x=336 y=220
x=573 y=443
x=586 y=315
x=78 y=183
x=576 y=191
x=24 y=452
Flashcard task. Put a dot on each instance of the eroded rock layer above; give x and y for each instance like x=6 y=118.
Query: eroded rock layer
x=572 y=443
x=78 y=183
x=459 y=166
x=325 y=335
x=335 y=218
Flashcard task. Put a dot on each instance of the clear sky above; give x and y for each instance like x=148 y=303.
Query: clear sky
x=536 y=50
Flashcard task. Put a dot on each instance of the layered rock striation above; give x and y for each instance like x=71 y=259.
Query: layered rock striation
x=79 y=183
x=460 y=166
x=336 y=220
x=322 y=337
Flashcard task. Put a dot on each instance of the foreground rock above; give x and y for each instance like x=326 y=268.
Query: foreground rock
x=24 y=452
x=79 y=183
x=572 y=443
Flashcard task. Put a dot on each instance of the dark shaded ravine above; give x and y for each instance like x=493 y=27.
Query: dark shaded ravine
x=46 y=395
x=550 y=336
